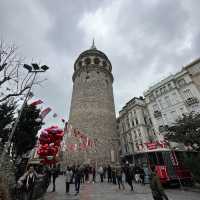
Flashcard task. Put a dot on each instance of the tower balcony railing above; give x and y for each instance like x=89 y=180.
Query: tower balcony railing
x=192 y=100
x=157 y=114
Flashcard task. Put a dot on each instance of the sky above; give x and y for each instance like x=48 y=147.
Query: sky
x=145 y=40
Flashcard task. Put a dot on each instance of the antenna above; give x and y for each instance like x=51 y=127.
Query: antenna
x=93 y=45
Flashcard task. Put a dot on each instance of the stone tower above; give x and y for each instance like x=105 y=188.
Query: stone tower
x=92 y=106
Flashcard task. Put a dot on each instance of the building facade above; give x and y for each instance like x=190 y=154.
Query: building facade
x=174 y=96
x=92 y=108
x=135 y=129
x=142 y=121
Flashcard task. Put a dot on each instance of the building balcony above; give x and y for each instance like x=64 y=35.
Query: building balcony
x=157 y=114
x=192 y=100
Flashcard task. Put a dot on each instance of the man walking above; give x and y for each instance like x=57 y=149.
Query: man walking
x=109 y=173
x=93 y=174
x=54 y=173
x=101 y=173
x=156 y=187
x=77 y=177
x=119 y=176
x=128 y=175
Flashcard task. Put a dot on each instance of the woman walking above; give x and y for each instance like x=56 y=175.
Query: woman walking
x=68 y=176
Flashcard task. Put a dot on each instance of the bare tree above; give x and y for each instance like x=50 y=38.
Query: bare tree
x=14 y=81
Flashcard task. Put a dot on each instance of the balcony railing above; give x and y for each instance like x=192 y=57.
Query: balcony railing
x=192 y=100
x=157 y=114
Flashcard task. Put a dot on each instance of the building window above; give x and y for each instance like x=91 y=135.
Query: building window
x=155 y=107
x=163 y=90
x=168 y=101
x=145 y=120
x=157 y=93
x=181 y=82
x=87 y=61
x=136 y=121
x=174 y=97
x=169 y=86
x=133 y=124
x=151 y=97
x=174 y=115
x=161 y=103
x=96 y=61
x=139 y=133
x=187 y=94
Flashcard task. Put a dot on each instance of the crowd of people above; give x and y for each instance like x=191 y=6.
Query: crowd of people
x=80 y=174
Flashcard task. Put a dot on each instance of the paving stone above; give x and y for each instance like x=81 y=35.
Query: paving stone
x=106 y=191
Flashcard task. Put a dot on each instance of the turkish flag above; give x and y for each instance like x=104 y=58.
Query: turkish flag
x=35 y=103
x=45 y=112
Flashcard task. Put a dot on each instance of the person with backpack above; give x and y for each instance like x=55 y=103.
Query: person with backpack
x=156 y=187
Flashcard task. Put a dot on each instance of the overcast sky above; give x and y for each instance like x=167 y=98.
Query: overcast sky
x=145 y=40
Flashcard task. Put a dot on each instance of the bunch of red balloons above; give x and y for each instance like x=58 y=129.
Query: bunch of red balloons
x=50 y=140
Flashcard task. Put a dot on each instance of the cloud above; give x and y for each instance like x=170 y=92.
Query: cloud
x=144 y=40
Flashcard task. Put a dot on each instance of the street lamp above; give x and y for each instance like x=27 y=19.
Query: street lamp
x=35 y=69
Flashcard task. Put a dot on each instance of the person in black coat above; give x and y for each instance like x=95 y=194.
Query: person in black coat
x=54 y=174
x=77 y=176
x=109 y=173
x=128 y=175
x=28 y=181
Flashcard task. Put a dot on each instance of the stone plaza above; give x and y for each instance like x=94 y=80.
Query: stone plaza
x=107 y=191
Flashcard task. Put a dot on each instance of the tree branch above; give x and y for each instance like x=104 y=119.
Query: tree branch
x=14 y=94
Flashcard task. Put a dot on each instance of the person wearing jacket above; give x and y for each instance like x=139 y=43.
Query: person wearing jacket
x=119 y=176
x=156 y=187
x=28 y=180
x=68 y=176
x=77 y=176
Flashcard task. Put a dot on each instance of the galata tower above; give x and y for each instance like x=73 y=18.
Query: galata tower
x=92 y=108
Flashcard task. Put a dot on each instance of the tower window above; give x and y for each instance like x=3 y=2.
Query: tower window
x=87 y=61
x=96 y=61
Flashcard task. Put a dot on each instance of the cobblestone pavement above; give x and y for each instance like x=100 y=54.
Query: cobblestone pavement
x=105 y=191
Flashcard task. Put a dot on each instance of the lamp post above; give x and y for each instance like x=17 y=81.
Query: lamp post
x=35 y=69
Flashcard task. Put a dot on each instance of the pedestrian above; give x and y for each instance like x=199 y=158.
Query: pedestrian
x=101 y=173
x=86 y=172
x=113 y=174
x=93 y=174
x=77 y=176
x=156 y=187
x=137 y=174
x=109 y=174
x=68 y=176
x=142 y=176
x=54 y=174
x=104 y=172
x=128 y=175
x=27 y=181
x=119 y=176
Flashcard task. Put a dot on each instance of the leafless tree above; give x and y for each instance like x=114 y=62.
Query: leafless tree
x=14 y=80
